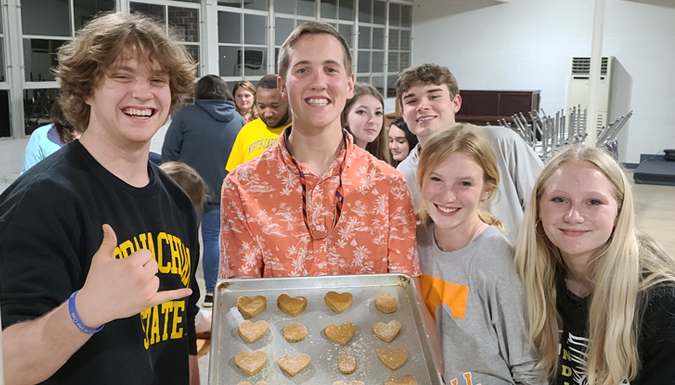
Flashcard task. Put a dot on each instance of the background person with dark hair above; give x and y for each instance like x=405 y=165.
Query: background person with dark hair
x=202 y=136
x=401 y=140
x=48 y=139
x=262 y=133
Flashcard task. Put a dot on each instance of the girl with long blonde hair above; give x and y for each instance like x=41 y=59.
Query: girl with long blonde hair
x=468 y=282
x=600 y=294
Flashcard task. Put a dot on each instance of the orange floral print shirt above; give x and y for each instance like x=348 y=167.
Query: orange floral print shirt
x=263 y=231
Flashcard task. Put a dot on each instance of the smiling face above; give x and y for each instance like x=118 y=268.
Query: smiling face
x=578 y=210
x=452 y=193
x=428 y=108
x=244 y=100
x=131 y=102
x=316 y=84
x=365 y=119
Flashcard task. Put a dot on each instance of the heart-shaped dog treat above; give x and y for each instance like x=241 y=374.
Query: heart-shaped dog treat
x=405 y=380
x=386 y=303
x=294 y=365
x=386 y=331
x=248 y=383
x=340 y=334
x=338 y=302
x=392 y=358
x=346 y=363
x=350 y=383
x=295 y=332
x=250 y=331
x=251 y=307
x=291 y=306
x=251 y=363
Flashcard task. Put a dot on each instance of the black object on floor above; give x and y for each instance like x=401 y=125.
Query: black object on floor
x=654 y=169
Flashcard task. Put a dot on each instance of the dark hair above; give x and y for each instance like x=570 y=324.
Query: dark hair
x=63 y=127
x=85 y=60
x=312 y=28
x=409 y=136
x=214 y=88
x=268 y=82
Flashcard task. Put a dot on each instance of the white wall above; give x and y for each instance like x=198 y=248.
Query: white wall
x=528 y=44
x=11 y=156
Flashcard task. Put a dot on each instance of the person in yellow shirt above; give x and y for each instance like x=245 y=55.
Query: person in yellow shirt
x=263 y=132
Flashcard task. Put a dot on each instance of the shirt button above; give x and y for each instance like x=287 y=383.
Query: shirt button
x=320 y=265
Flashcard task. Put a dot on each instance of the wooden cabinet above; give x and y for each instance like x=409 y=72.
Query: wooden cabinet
x=487 y=107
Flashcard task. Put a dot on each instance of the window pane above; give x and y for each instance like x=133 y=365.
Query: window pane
x=85 y=10
x=39 y=56
x=394 y=14
x=255 y=29
x=378 y=61
x=405 y=40
x=306 y=8
x=284 y=6
x=193 y=50
x=347 y=10
x=2 y=60
x=185 y=22
x=260 y=5
x=229 y=28
x=255 y=61
x=346 y=32
x=329 y=9
x=37 y=104
x=406 y=16
x=405 y=60
x=391 y=86
x=4 y=114
x=378 y=83
x=363 y=79
x=152 y=10
x=365 y=11
x=283 y=28
x=364 y=37
x=379 y=12
x=45 y=17
x=230 y=3
x=228 y=61
x=393 y=62
x=393 y=39
x=364 y=62
x=378 y=38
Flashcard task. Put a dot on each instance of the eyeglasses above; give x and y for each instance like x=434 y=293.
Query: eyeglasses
x=339 y=191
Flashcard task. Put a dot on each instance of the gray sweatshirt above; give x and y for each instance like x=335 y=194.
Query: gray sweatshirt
x=479 y=306
x=519 y=168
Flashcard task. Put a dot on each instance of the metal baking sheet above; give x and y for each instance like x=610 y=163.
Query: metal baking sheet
x=226 y=342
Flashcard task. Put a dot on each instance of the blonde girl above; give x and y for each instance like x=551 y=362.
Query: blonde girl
x=469 y=283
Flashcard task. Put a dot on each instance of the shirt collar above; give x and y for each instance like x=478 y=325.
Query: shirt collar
x=334 y=168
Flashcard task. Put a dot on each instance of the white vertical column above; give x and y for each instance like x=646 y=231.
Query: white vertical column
x=209 y=55
x=596 y=60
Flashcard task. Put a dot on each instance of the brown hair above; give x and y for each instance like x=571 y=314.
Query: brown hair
x=84 y=61
x=312 y=28
x=248 y=86
x=212 y=87
x=189 y=180
x=466 y=139
x=63 y=126
x=425 y=73
x=379 y=147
